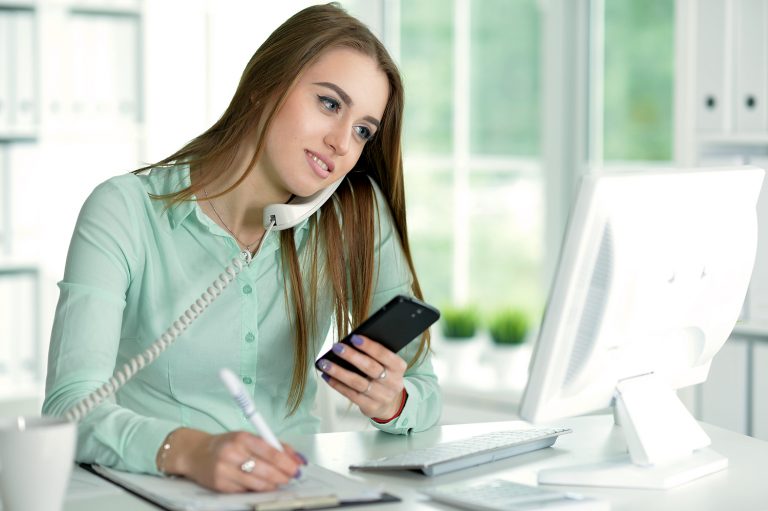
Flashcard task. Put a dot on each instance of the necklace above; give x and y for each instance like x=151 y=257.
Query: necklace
x=247 y=246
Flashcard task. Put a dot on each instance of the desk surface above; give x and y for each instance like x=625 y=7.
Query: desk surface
x=740 y=487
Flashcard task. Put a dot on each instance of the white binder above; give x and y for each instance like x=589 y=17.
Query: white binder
x=711 y=57
x=126 y=38
x=751 y=66
x=23 y=107
x=5 y=73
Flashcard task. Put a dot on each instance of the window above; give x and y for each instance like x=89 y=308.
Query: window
x=475 y=191
x=639 y=80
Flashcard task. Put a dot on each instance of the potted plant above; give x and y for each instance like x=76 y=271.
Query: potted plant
x=508 y=330
x=459 y=327
x=508 y=327
x=459 y=323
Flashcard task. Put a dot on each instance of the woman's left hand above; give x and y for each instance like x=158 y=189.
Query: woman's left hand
x=380 y=394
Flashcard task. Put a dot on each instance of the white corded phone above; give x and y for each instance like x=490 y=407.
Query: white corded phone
x=276 y=216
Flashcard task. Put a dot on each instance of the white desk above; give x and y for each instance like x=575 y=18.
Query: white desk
x=741 y=487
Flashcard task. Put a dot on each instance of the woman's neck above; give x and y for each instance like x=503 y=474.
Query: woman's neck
x=240 y=210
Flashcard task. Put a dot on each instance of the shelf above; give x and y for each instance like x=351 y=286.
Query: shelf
x=752 y=331
x=757 y=139
x=18 y=135
x=26 y=5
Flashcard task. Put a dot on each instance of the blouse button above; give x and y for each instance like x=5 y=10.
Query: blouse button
x=247 y=289
x=247 y=380
x=250 y=337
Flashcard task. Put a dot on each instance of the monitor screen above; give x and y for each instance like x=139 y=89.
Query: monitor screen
x=651 y=279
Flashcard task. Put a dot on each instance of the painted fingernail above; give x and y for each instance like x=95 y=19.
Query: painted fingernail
x=303 y=458
x=324 y=365
x=325 y=376
x=357 y=340
x=338 y=348
x=297 y=474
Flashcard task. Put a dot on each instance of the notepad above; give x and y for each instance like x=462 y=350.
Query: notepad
x=318 y=487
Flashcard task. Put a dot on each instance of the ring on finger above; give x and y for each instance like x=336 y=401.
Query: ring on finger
x=365 y=392
x=248 y=465
x=383 y=374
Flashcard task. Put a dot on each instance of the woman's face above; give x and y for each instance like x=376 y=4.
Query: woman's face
x=320 y=131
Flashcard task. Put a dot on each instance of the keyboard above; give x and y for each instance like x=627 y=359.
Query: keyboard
x=459 y=454
x=502 y=495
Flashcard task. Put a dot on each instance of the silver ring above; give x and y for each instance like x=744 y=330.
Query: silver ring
x=383 y=374
x=370 y=383
x=248 y=465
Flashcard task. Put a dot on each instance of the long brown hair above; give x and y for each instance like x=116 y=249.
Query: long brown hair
x=348 y=267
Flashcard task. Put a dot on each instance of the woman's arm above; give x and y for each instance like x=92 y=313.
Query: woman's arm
x=86 y=332
x=105 y=254
x=421 y=405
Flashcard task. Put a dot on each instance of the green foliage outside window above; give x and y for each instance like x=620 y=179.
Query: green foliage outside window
x=505 y=75
x=426 y=62
x=639 y=79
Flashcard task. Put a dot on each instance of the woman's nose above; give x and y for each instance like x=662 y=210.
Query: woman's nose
x=339 y=139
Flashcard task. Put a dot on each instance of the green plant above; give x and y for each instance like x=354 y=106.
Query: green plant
x=508 y=327
x=459 y=322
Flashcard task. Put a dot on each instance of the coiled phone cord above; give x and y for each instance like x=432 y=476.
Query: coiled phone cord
x=137 y=363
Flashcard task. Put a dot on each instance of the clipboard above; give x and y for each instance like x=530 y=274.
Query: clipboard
x=319 y=488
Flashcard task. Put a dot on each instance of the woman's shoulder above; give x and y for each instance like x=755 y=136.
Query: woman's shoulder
x=137 y=188
x=116 y=190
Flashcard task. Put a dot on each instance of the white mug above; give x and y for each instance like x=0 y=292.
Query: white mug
x=36 y=458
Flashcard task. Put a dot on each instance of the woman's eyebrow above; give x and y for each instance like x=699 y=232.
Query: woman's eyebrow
x=344 y=96
x=346 y=99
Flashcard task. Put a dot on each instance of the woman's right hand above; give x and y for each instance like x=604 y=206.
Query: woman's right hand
x=215 y=461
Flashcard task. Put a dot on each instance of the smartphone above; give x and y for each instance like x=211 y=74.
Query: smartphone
x=394 y=325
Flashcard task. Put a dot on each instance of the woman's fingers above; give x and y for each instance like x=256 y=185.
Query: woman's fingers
x=377 y=393
x=385 y=357
x=283 y=461
x=241 y=461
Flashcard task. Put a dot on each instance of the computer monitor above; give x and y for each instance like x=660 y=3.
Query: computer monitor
x=651 y=279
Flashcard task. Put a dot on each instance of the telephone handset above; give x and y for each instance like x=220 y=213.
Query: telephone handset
x=297 y=209
x=276 y=217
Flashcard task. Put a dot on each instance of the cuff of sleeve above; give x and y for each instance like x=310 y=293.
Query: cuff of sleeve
x=401 y=424
x=145 y=442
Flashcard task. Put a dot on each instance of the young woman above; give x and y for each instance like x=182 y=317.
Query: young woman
x=320 y=101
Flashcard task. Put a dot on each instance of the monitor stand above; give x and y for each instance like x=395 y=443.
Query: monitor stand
x=667 y=447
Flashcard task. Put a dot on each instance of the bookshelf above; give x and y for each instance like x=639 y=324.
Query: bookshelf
x=71 y=115
x=722 y=119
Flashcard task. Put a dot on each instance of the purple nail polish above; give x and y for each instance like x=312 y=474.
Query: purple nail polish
x=324 y=365
x=303 y=458
x=326 y=377
x=338 y=348
x=357 y=340
x=297 y=474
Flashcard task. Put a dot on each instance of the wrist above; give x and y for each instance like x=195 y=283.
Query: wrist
x=398 y=410
x=173 y=457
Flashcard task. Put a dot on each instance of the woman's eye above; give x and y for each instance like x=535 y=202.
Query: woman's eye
x=363 y=132
x=329 y=103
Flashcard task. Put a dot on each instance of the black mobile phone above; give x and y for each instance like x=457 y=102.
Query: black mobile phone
x=394 y=325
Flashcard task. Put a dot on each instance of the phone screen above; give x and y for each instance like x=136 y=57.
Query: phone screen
x=394 y=325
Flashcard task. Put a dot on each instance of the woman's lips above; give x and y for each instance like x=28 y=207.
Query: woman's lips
x=318 y=164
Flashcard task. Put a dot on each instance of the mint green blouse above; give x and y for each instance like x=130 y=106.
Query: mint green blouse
x=133 y=267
